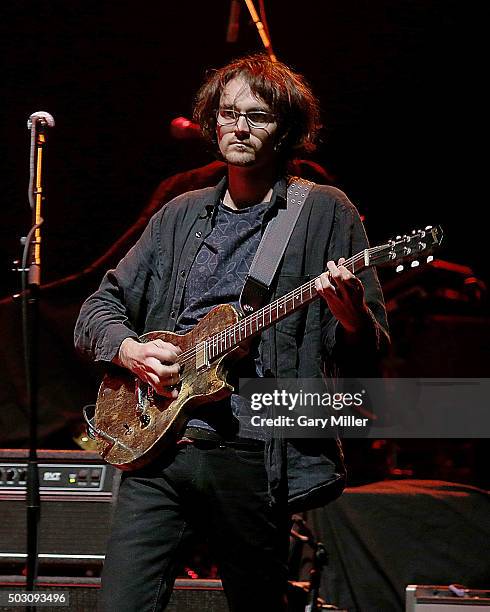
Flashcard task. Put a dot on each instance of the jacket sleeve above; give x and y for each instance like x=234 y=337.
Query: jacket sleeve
x=360 y=357
x=117 y=309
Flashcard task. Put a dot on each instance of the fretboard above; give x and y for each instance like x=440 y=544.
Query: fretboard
x=253 y=324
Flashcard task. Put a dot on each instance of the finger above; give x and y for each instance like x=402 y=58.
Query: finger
x=170 y=375
x=166 y=345
x=164 y=355
x=173 y=379
x=152 y=379
x=323 y=284
x=345 y=273
x=164 y=372
x=160 y=387
x=333 y=272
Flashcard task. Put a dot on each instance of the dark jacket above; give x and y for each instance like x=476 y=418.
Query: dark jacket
x=145 y=290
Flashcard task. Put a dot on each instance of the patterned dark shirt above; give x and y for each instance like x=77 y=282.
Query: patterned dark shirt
x=216 y=277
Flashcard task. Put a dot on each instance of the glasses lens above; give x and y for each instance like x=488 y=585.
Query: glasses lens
x=259 y=118
x=229 y=116
x=226 y=116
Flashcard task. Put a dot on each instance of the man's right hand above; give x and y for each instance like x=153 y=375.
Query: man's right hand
x=154 y=362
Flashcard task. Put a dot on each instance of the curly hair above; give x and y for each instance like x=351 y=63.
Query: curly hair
x=285 y=91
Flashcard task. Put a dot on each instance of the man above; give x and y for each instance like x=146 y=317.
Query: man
x=226 y=479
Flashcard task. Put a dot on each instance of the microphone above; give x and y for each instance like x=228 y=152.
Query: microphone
x=36 y=123
x=44 y=119
x=233 y=21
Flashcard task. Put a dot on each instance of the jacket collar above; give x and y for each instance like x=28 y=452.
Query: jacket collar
x=279 y=194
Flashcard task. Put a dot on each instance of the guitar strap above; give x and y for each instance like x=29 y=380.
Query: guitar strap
x=274 y=241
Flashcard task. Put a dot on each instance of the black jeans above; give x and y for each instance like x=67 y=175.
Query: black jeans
x=218 y=491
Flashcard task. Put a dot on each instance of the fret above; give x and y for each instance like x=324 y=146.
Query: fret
x=300 y=296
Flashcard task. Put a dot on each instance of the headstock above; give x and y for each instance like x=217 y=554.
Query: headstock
x=413 y=248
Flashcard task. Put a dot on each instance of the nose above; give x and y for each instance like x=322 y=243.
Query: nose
x=242 y=125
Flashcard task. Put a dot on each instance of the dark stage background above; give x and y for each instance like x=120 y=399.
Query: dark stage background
x=396 y=80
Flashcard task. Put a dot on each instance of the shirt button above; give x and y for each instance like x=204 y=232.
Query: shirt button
x=198 y=234
x=182 y=273
x=172 y=314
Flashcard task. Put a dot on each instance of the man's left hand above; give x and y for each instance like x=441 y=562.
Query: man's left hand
x=344 y=294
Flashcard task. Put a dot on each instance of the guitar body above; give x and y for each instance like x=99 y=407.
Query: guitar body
x=132 y=424
x=138 y=423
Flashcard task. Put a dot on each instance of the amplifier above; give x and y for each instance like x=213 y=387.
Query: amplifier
x=428 y=598
x=187 y=596
x=77 y=490
x=82 y=592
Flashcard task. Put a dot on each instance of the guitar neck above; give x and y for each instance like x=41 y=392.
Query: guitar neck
x=253 y=324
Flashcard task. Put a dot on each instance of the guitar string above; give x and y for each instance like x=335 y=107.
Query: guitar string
x=223 y=335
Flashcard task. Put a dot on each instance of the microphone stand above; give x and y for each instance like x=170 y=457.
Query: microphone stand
x=31 y=276
x=320 y=560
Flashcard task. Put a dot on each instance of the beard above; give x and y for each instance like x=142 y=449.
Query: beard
x=240 y=158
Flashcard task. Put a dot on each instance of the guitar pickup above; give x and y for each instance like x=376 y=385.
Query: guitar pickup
x=202 y=360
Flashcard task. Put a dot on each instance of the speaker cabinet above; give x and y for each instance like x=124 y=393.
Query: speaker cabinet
x=428 y=598
x=77 y=490
x=188 y=595
x=82 y=592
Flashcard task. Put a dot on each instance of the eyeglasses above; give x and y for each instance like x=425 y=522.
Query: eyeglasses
x=257 y=119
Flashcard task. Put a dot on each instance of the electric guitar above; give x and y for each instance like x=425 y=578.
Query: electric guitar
x=133 y=424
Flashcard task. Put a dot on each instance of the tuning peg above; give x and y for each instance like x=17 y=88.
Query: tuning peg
x=399 y=268
x=429 y=227
x=398 y=238
x=430 y=258
x=15 y=265
x=415 y=263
